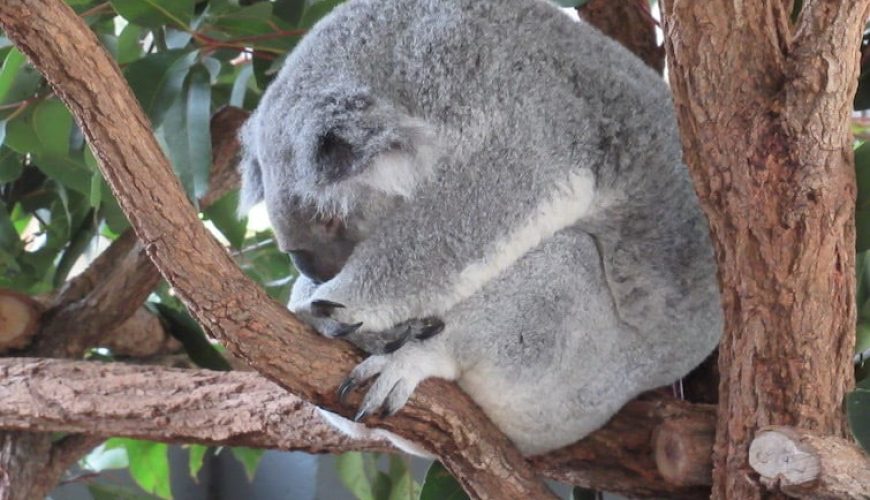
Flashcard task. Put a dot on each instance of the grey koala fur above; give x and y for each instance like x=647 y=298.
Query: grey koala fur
x=496 y=193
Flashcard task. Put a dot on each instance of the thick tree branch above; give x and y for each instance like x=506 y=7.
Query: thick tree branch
x=803 y=464
x=116 y=284
x=105 y=298
x=244 y=409
x=630 y=23
x=763 y=110
x=216 y=292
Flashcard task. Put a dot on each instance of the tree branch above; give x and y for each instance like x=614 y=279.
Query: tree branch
x=222 y=299
x=804 y=464
x=630 y=23
x=244 y=409
x=763 y=110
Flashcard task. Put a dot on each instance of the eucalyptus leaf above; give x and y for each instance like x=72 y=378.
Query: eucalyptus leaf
x=223 y=214
x=196 y=458
x=157 y=80
x=441 y=485
x=155 y=13
x=149 y=464
x=351 y=472
x=187 y=331
x=249 y=458
x=11 y=66
x=186 y=135
x=45 y=130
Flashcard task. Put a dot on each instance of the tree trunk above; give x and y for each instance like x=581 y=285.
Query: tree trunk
x=764 y=109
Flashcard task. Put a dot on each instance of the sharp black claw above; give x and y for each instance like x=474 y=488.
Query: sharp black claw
x=345 y=388
x=399 y=342
x=361 y=414
x=389 y=411
x=431 y=328
x=323 y=308
x=345 y=330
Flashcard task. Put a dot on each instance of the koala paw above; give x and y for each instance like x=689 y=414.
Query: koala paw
x=331 y=320
x=398 y=375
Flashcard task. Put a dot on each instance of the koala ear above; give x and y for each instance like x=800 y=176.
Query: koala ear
x=335 y=156
x=252 y=184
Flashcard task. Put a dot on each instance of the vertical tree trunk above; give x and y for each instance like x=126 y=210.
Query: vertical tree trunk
x=630 y=23
x=764 y=107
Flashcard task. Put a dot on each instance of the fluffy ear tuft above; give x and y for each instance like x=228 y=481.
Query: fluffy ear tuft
x=252 y=191
x=335 y=156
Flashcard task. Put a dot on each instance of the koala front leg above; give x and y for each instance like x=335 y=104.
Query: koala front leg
x=449 y=240
x=398 y=374
x=320 y=315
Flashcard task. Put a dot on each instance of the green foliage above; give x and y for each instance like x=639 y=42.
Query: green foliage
x=183 y=60
x=361 y=475
x=441 y=485
x=148 y=464
x=249 y=458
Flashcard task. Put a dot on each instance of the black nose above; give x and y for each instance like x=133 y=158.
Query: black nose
x=306 y=263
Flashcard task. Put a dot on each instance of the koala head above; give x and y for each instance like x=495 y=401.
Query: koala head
x=332 y=164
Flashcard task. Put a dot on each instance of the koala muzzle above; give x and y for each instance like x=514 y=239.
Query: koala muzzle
x=306 y=262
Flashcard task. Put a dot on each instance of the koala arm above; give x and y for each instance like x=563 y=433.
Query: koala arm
x=457 y=233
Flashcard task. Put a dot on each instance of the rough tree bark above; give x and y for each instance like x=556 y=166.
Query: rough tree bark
x=803 y=464
x=206 y=279
x=101 y=307
x=244 y=409
x=764 y=106
x=630 y=23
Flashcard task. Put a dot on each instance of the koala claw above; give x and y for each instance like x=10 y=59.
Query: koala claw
x=399 y=342
x=345 y=388
x=343 y=330
x=431 y=327
x=324 y=308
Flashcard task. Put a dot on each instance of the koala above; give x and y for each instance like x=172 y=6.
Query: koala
x=491 y=193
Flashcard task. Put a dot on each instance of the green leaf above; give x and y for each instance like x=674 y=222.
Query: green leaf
x=149 y=464
x=403 y=485
x=11 y=165
x=158 y=79
x=198 y=118
x=196 y=452
x=315 y=10
x=240 y=86
x=862 y=228
x=192 y=338
x=43 y=130
x=862 y=175
x=186 y=134
x=129 y=44
x=440 y=485
x=100 y=491
x=249 y=458
x=223 y=214
x=65 y=170
x=11 y=66
x=351 y=472
x=112 y=213
x=9 y=238
x=155 y=13
x=96 y=194
x=289 y=11
x=858 y=412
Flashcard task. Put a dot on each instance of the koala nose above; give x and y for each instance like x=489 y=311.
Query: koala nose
x=306 y=263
